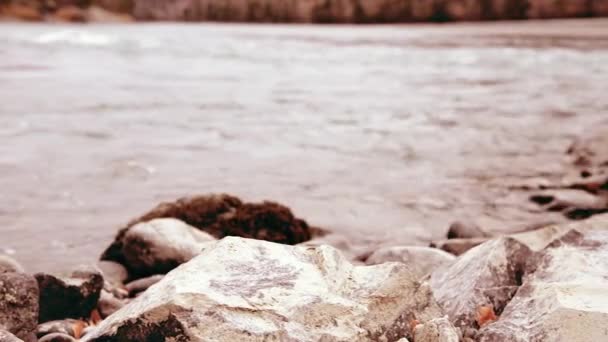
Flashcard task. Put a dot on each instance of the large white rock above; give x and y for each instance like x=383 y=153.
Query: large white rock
x=487 y=275
x=160 y=245
x=421 y=260
x=250 y=290
x=436 y=330
x=565 y=298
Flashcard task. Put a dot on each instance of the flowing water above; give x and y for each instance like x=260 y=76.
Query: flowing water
x=383 y=134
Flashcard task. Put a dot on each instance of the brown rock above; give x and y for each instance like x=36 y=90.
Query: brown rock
x=458 y=246
x=108 y=304
x=71 y=14
x=544 y=9
x=8 y=264
x=113 y=272
x=141 y=285
x=29 y=11
x=116 y=6
x=69 y=297
x=19 y=305
x=6 y=336
x=57 y=337
x=465 y=230
x=64 y=326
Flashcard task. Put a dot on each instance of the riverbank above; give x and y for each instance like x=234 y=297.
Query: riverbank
x=318 y=11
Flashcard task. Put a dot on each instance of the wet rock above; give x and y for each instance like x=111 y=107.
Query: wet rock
x=436 y=330
x=160 y=245
x=69 y=327
x=563 y=297
x=421 y=260
x=458 y=246
x=8 y=264
x=465 y=230
x=141 y=285
x=19 y=305
x=243 y=289
x=224 y=215
x=113 y=272
x=69 y=297
x=108 y=304
x=57 y=337
x=487 y=275
x=6 y=336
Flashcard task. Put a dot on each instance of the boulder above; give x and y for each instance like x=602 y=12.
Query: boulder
x=113 y=272
x=224 y=215
x=108 y=304
x=70 y=327
x=575 y=204
x=486 y=276
x=57 y=337
x=6 y=336
x=160 y=245
x=564 y=295
x=436 y=330
x=8 y=264
x=141 y=285
x=19 y=305
x=458 y=246
x=69 y=297
x=421 y=260
x=248 y=290
x=71 y=14
x=465 y=230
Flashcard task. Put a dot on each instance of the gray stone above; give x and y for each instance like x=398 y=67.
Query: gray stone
x=421 y=260
x=8 y=264
x=436 y=330
x=6 y=336
x=69 y=297
x=564 y=296
x=458 y=246
x=19 y=305
x=57 y=337
x=487 y=275
x=113 y=272
x=141 y=285
x=249 y=290
x=160 y=245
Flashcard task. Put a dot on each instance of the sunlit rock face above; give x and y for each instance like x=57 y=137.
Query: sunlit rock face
x=251 y=290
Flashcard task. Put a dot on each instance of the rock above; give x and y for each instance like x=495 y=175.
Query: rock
x=487 y=275
x=57 y=337
x=71 y=327
x=600 y=8
x=108 y=304
x=26 y=10
x=113 y=272
x=421 y=260
x=465 y=230
x=243 y=289
x=564 y=295
x=338 y=241
x=160 y=245
x=458 y=246
x=568 y=199
x=19 y=305
x=69 y=297
x=436 y=330
x=71 y=14
x=141 y=285
x=97 y=14
x=6 y=336
x=116 y=6
x=224 y=215
x=8 y=264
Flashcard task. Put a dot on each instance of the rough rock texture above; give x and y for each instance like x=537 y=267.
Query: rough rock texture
x=8 y=264
x=249 y=290
x=436 y=330
x=68 y=297
x=19 y=305
x=160 y=245
x=487 y=275
x=421 y=260
x=564 y=296
x=224 y=215
x=6 y=336
x=64 y=326
x=108 y=304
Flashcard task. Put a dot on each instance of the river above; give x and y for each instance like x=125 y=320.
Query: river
x=382 y=134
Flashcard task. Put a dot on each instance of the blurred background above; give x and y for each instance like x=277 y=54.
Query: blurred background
x=383 y=134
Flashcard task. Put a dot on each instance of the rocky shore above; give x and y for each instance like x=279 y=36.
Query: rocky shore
x=332 y=11
x=216 y=268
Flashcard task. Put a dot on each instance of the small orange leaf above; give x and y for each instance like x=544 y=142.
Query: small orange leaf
x=95 y=317
x=78 y=328
x=485 y=314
